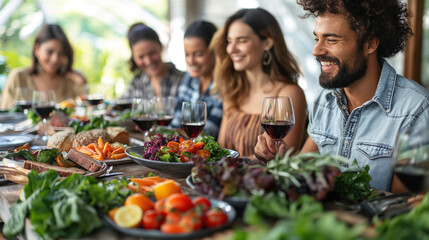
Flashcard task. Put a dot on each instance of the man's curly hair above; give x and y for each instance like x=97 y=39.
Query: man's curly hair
x=383 y=19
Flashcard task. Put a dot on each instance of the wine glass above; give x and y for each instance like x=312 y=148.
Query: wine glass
x=277 y=118
x=43 y=104
x=194 y=117
x=22 y=99
x=165 y=107
x=95 y=99
x=411 y=156
x=143 y=114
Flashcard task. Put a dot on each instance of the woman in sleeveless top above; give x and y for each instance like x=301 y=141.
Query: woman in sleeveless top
x=253 y=62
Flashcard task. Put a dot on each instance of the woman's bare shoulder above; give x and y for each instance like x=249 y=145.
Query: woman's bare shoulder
x=76 y=77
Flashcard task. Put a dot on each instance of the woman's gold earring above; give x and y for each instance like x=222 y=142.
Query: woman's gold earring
x=267 y=58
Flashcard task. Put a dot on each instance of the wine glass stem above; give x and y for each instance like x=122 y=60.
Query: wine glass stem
x=44 y=125
x=277 y=146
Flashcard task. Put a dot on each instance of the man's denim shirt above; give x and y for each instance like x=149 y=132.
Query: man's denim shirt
x=369 y=132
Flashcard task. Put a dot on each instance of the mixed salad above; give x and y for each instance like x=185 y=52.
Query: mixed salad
x=175 y=149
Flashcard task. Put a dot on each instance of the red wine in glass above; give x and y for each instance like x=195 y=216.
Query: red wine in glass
x=144 y=123
x=277 y=130
x=193 y=130
x=121 y=106
x=415 y=178
x=95 y=101
x=23 y=104
x=44 y=111
x=164 y=121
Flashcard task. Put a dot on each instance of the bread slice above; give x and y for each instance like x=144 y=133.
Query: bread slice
x=62 y=140
x=43 y=167
x=83 y=160
x=118 y=134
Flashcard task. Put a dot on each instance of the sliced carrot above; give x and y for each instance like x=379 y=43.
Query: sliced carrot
x=146 y=182
x=92 y=146
x=118 y=150
x=97 y=157
x=109 y=155
x=118 y=156
x=199 y=145
x=106 y=148
x=86 y=150
x=145 y=189
x=100 y=143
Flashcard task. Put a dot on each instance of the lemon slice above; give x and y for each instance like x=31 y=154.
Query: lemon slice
x=128 y=216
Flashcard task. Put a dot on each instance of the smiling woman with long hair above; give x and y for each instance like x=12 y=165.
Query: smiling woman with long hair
x=51 y=69
x=153 y=77
x=253 y=62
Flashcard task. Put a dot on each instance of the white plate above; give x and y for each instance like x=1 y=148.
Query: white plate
x=14 y=140
x=11 y=117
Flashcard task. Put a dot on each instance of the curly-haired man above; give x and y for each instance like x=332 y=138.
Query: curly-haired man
x=364 y=103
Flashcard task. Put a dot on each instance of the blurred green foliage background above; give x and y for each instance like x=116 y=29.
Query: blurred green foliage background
x=96 y=29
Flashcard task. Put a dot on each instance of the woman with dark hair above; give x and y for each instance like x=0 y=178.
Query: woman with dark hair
x=154 y=78
x=198 y=82
x=253 y=62
x=51 y=68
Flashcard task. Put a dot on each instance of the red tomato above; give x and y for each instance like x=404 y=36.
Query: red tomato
x=215 y=218
x=203 y=153
x=173 y=228
x=173 y=218
x=199 y=145
x=174 y=147
x=178 y=202
x=203 y=202
x=191 y=221
x=160 y=206
x=187 y=146
x=152 y=220
x=184 y=159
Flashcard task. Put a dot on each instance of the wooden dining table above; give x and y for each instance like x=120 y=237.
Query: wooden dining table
x=9 y=193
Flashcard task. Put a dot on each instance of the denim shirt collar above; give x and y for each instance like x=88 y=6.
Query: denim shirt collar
x=385 y=89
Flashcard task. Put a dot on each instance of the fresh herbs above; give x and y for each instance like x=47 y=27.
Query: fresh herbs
x=45 y=156
x=216 y=152
x=64 y=208
x=94 y=123
x=353 y=184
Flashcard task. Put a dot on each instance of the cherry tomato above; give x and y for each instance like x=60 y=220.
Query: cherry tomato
x=178 y=202
x=199 y=145
x=160 y=206
x=203 y=202
x=184 y=159
x=174 y=147
x=152 y=220
x=191 y=221
x=173 y=228
x=215 y=218
x=173 y=218
x=187 y=146
x=203 y=153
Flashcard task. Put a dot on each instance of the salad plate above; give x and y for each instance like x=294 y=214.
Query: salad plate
x=237 y=202
x=14 y=140
x=173 y=169
x=156 y=234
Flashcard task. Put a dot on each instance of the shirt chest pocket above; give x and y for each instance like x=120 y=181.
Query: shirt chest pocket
x=373 y=151
x=323 y=139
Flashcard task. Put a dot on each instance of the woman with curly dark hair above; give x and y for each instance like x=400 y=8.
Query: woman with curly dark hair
x=365 y=104
x=253 y=62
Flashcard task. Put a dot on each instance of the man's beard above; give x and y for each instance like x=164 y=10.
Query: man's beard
x=348 y=73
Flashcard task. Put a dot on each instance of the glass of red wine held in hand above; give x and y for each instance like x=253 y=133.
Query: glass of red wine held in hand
x=143 y=114
x=411 y=155
x=194 y=117
x=43 y=105
x=277 y=118
x=165 y=107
